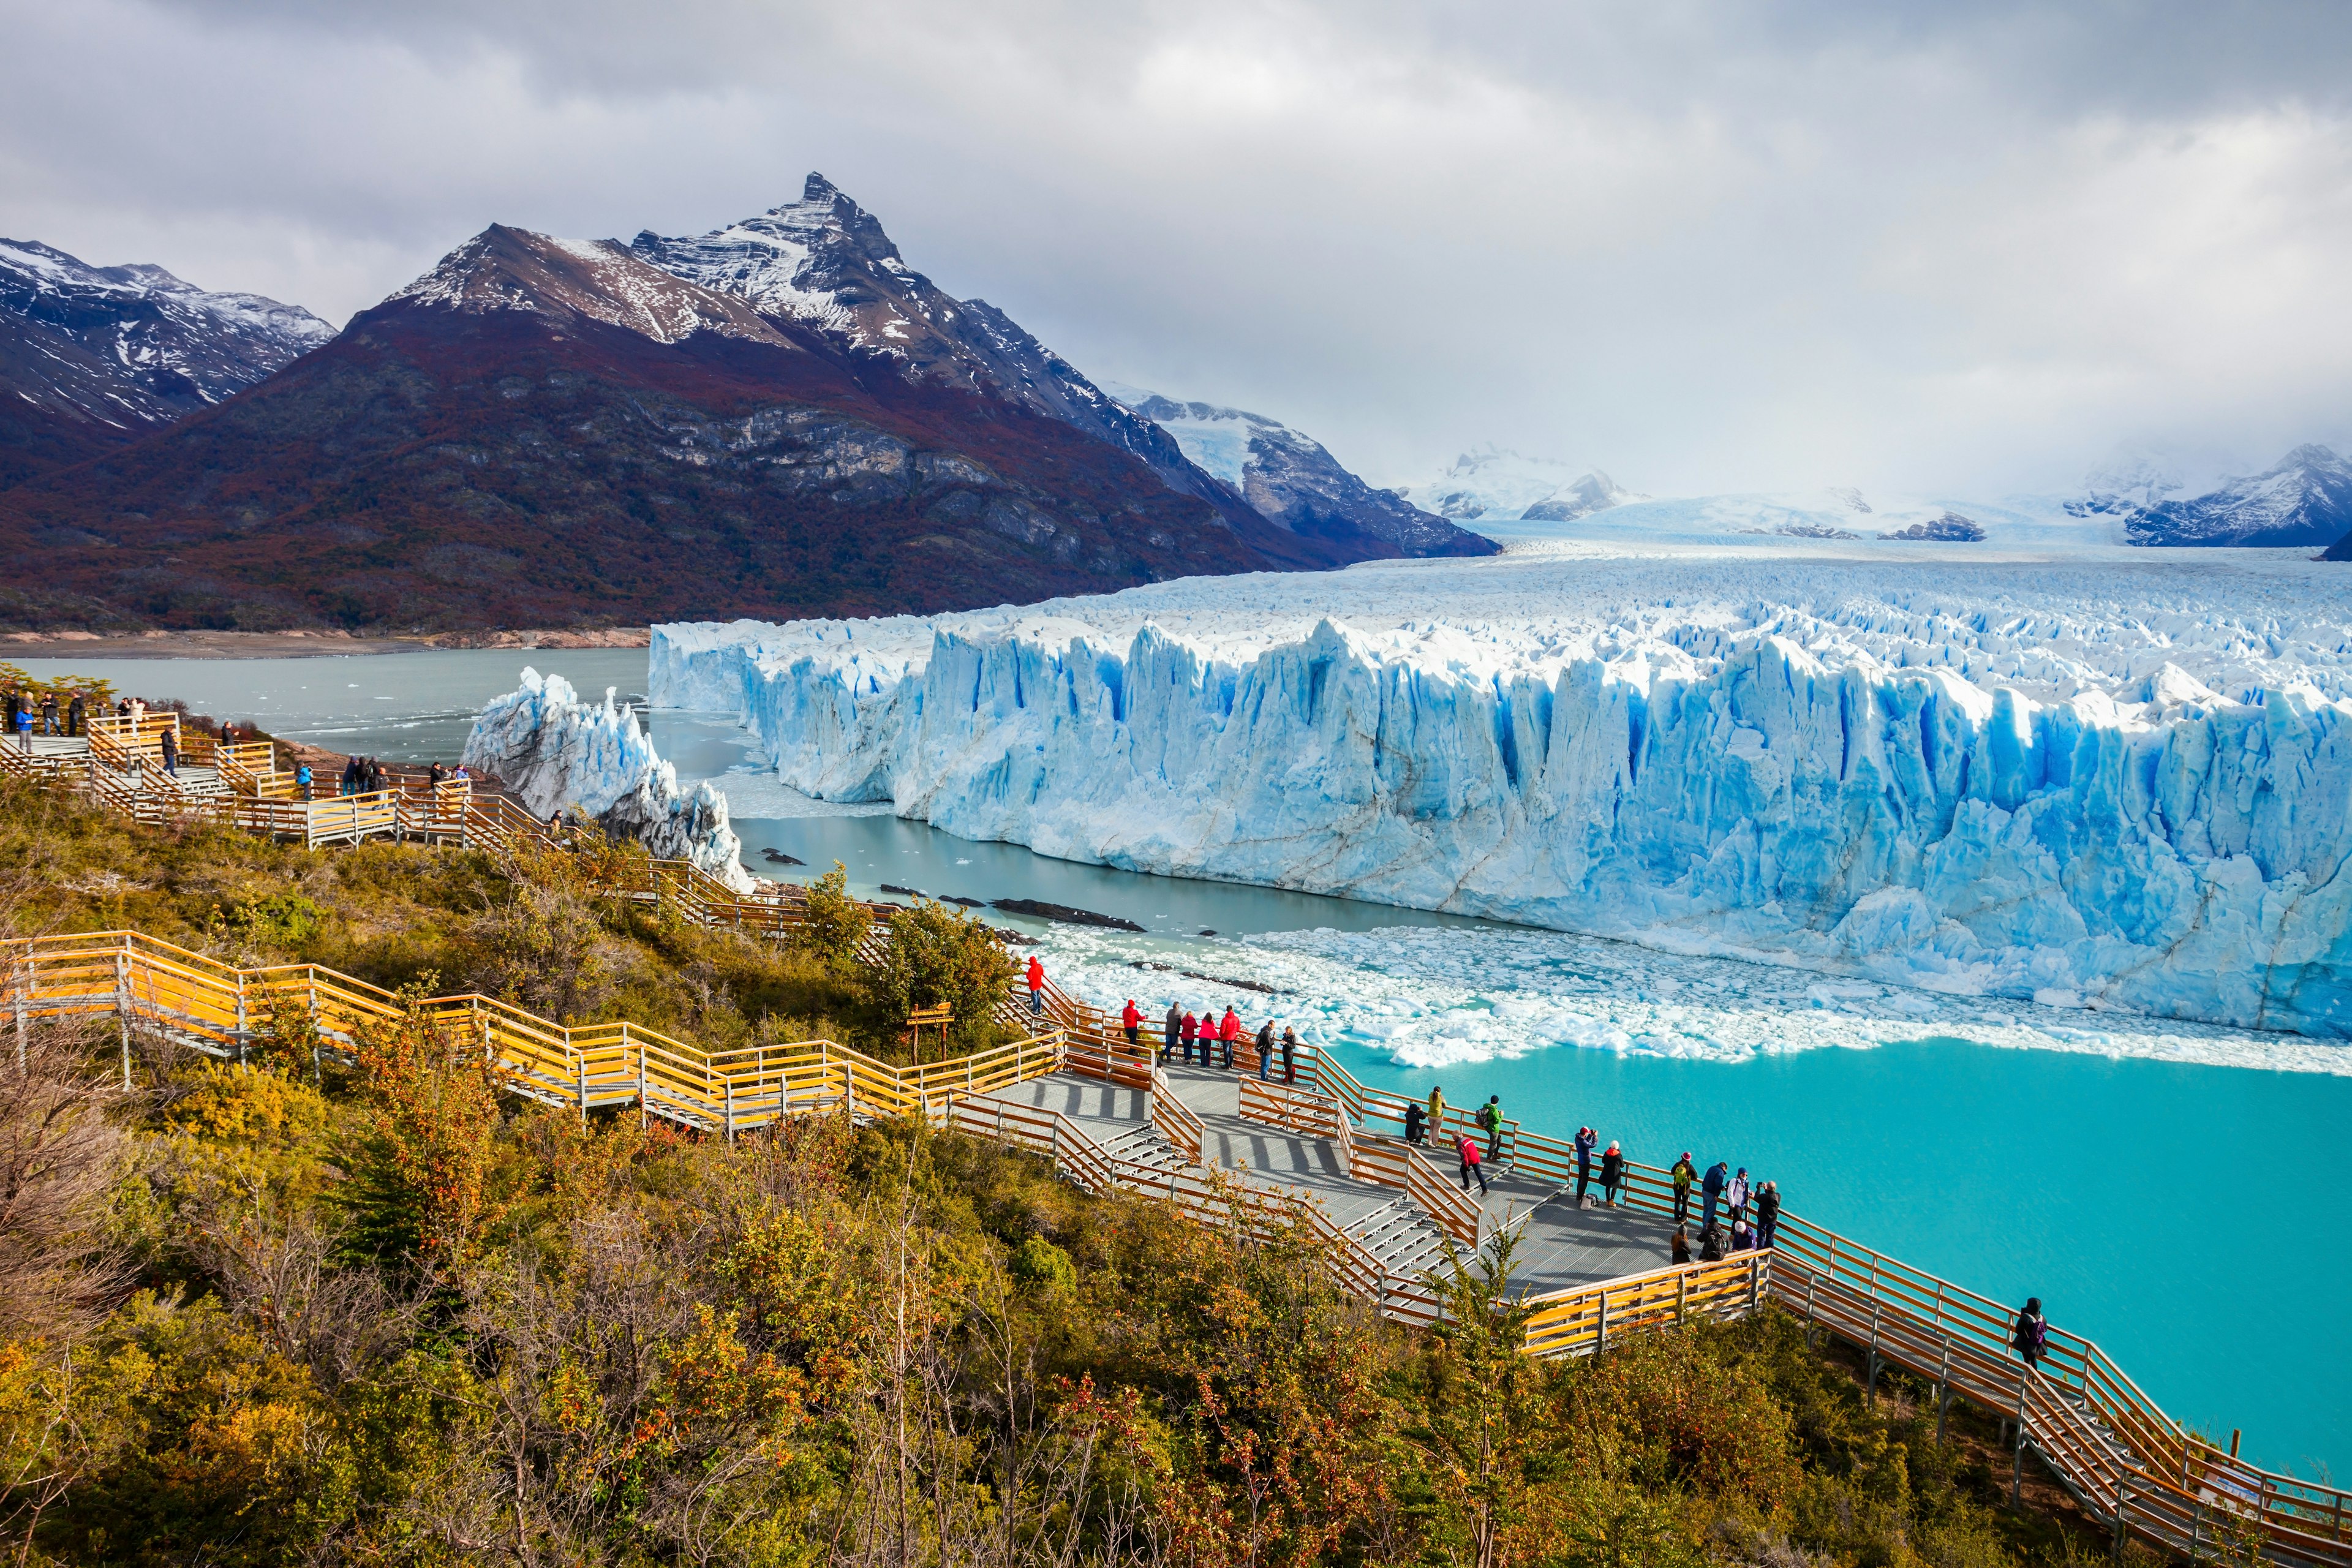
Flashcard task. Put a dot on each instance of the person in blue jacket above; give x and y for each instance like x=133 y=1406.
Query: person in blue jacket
x=1719 y=1177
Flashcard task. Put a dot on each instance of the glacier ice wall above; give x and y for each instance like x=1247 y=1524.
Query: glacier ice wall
x=2157 y=845
x=555 y=751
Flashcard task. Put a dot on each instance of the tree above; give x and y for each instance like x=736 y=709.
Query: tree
x=934 y=955
x=420 y=1183
x=832 y=925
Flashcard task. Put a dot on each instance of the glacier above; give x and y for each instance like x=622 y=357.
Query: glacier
x=2083 y=780
x=555 y=751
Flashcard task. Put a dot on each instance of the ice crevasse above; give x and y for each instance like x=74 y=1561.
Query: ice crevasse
x=556 y=751
x=2167 y=851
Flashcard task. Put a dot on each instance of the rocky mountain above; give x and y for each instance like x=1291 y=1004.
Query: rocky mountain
x=92 y=357
x=1291 y=479
x=825 y=263
x=547 y=432
x=1501 y=486
x=2305 y=500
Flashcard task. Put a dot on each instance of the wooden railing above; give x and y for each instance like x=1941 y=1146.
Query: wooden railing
x=224 y=1010
x=1587 y=1319
x=1175 y=1121
x=1291 y=1108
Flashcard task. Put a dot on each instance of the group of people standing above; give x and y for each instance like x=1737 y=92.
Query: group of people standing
x=1742 y=1201
x=27 y=714
x=1183 y=1030
x=1423 y=1123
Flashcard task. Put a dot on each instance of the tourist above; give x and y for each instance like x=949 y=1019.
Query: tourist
x=2032 y=1335
x=1132 y=1017
x=1710 y=1245
x=1170 y=1028
x=1468 y=1150
x=1228 y=1032
x=1717 y=1176
x=76 y=715
x=49 y=712
x=1289 y=1054
x=1736 y=1195
x=303 y=779
x=1768 y=1214
x=1741 y=1240
x=1490 y=1117
x=1680 y=1244
x=1192 y=1028
x=1612 y=1172
x=1036 y=987
x=1585 y=1139
x=350 y=784
x=1265 y=1050
x=170 y=741
x=1436 y=1112
x=1415 y=1121
x=436 y=772
x=1684 y=1174
x=22 y=719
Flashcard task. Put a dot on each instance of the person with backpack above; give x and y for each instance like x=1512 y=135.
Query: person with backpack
x=1036 y=987
x=1468 y=1150
x=1585 y=1139
x=2032 y=1334
x=1490 y=1117
x=1415 y=1123
x=1768 y=1212
x=1719 y=1175
x=1170 y=1028
x=303 y=779
x=1612 y=1172
x=1265 y=1051
x=1133 y=1018
x=1684 y=1174
x=1289 y=1054
x=1710 y=1245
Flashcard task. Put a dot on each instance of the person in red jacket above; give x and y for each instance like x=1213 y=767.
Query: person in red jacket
x=1468 y=1149
x=1133 y=1019
x=1036 y=985
x=1228 y=1031
x=1190 y=1029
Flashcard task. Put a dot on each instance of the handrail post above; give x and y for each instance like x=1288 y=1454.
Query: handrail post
x=122 y=1005
x=580 y=1071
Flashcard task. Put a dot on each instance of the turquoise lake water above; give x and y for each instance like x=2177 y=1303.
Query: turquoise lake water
x=2156 y=1208
x=2164 y=1211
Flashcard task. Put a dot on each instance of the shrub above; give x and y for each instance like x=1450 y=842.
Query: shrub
x=832 y=924
x=935 y=954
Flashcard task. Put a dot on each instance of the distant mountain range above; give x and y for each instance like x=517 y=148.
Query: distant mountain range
x=1495 y=485
x=93 y=357
x=2305 y=498
x=777 y=418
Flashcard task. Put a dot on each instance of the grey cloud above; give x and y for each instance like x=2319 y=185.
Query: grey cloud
x=1703 y=246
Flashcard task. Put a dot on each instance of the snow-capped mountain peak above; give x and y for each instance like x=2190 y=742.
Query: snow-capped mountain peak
x=2304 y=499
x=1501 y=485
x=1290 y=479
x=504 y=269
x=129 y=347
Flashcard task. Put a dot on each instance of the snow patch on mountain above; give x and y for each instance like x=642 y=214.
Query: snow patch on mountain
x=557 y=751
x=504 y=269
x=2111 y=783
x=2305 y=500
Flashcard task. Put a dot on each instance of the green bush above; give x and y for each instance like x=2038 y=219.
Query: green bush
x=832 y=924
x=934 y=955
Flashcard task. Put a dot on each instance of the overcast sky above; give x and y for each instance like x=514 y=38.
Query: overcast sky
x=1952 y=249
